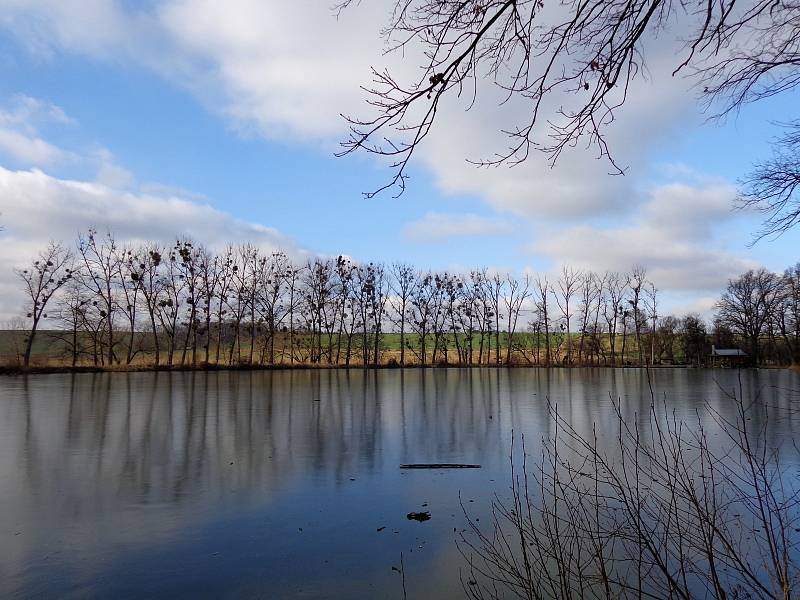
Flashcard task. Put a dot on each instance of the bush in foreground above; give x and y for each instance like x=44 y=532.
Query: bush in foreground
x=674 y=509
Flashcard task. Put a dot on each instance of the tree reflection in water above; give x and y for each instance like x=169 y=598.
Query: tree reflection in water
x=199 y=483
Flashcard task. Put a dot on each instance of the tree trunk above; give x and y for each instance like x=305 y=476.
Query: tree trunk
x=74 y=342
x=110 y=338
x=29 y=345
x=403 y=338
x=754 y=352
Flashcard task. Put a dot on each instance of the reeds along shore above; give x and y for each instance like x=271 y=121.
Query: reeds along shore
x=527 y=350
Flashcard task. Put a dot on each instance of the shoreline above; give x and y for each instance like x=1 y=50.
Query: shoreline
x=205 y=368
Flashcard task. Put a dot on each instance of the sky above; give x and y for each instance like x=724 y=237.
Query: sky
x=220 y=121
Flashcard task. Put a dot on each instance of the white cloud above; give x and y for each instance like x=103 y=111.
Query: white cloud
x=20 y=140
x=286 y=70
x=704 y=306
x=438 y=227
x=26 y=111
x=20 y=120
x=97 y=28
x=36 y=207
x=673 y=235
x=289 y=69
x=19 y=137
x=109 y=173
x=29 y=150
x=579 y=185
x=688 y=211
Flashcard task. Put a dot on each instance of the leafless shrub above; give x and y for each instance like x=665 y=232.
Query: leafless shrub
x=666 y=513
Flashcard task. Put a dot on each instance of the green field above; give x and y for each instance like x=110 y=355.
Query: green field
x=50 y=348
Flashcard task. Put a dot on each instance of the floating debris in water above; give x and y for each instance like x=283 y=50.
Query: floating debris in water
x=439 y=466
x=418 y=516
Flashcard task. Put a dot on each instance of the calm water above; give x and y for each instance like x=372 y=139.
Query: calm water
x=274 y=484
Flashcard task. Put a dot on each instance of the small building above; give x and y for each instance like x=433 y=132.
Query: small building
x=728 y=357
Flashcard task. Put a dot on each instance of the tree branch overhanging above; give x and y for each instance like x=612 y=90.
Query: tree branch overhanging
x=572 y=62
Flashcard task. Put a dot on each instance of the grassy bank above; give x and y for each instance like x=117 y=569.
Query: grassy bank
x=52 y=352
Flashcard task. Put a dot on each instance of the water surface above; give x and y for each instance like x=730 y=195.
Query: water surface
x=275 y=484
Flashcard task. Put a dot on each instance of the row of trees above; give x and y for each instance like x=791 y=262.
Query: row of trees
x=110 y=303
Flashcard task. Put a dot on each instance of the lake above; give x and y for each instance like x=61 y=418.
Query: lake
x=286 y=484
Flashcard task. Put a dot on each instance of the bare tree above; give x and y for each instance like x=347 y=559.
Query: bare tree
x=567 y=284
x=189 y=273
x=613 y=298
x=169 y=303
x=421 y=313
x=571 y=63
x=378 y=297
x=694 y=339
x=625 y=317
x=335 y=310
x=293 y=278
x=747 y=305
x=496 y=287
x=42 y=279
x=638 y=281
x=402 y=283
x=518 y=293
x=100 y=261
x=319 y=292
x=271 y=298
x=544 y=289
x=773 y=186
x=350 y=291
x=589 y=295
x=209 y=268
x=19 y=338
x=789 y=312
x=664 y=339
x=453 y=297
x=651 y=304
x=152 y=283
x=128 y=264
x=438 y=315
x=71 y=313
x=227 y=266
x=597 y=328
x=471 y=314
x=239 y=296
x=479 y=282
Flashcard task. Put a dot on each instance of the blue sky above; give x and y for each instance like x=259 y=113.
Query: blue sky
x=161 y=133
x=141 y=103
